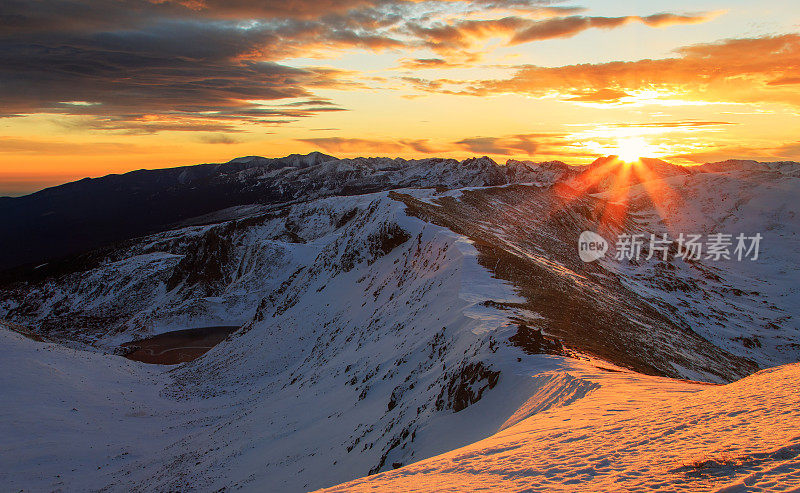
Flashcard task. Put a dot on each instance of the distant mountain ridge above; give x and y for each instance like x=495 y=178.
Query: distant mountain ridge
x=92 y=212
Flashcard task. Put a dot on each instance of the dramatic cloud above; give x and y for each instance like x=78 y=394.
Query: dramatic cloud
x=172 y=71
x=564 y=27
x=533 y=7
x=146 y=66
x=738 y=70
x=449 y=38
x=90 y=15
x=140 y=65
x=236 y=9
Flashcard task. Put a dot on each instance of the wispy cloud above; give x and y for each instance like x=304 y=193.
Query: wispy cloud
x=380 y=146
x=451 y=38
x=787 y=151
x=515 y=145
x=218 y=139
x=678 y=124
x=735 y=70
x=599 y=96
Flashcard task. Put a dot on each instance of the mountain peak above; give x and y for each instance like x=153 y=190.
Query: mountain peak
x=311 y=159
x=295 y=160
x=654 y=165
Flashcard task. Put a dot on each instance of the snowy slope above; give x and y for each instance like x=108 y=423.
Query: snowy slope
x=750 y=308
x=95 y=420
x=630 y=433
x=309 y=393
x=379 y=329
x=68 y=416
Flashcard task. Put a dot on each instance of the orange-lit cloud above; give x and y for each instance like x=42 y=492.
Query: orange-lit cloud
x=422 y=146
x=530 y=145
x=450 y=38
x=385 y=146
x=737 y=70
x=498 y=146
x=563 y=27
x=465 y=59
x=600 y=95
x=149 y=66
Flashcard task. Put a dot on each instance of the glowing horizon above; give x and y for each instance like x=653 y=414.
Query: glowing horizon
x=139 y=84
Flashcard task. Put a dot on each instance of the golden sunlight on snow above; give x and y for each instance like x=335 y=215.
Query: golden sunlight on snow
x=633 y=433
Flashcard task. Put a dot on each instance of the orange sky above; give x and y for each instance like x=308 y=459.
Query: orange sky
x=138 y=84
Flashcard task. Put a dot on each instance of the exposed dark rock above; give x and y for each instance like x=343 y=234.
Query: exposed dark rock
x=203 y=267
x=533 y=342
x=390 y=237
x=466 y=386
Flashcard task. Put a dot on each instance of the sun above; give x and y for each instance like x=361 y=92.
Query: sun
x=632 y=149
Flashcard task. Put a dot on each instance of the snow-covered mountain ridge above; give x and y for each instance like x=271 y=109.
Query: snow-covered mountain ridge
x=66 y=219
x=379 y=328
x=367 y=345
x=631 y=433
